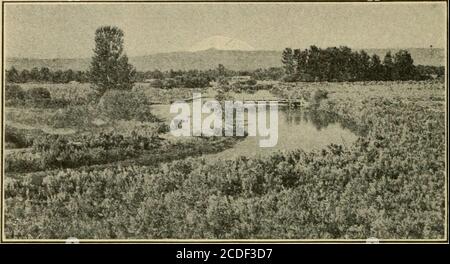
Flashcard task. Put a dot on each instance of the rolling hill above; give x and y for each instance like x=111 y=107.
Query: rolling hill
x=208 y=59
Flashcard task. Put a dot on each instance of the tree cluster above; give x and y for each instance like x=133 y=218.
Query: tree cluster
x=45 y=75
x=344 y=64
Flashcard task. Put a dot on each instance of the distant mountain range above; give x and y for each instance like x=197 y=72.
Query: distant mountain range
x=208 y=59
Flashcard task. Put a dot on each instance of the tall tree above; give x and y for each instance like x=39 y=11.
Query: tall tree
x=58 y=76
x=345 y=63
x=314 y=64
x=221 y=71
x=25 y=76
x=109 y=67
x=388 y=67
x=301 y=59
x=45 y=75
x=34 y=74
x=12 y=75
x=364 y=65
x=376 y=68
x=404 y=66
x=287 y=58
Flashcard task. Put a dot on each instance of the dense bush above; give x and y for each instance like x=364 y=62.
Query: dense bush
x=72 y=117
x=273 y=73
x=169 y=83
x=40 y=103
x=126 y=105
x=38 y=93
x=59 y=151
x=389 y=184
x=250 y=82
x=22 y=162
x=318 y=96
x=20 y=138
x=157 y=83
x=194 y=82
x=14 y=92
x=33 y=97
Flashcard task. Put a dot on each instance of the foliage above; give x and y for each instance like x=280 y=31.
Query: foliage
x=61 y=151
x=33 y=97
x=78 y=116
x=272 y=73
x=319 y=95
x=404 y=66
x=76 y=94
x=342 y=64
x=427 y=71
x=38 y=93
x=389 y=184
x=287 y=58
x=126 y=105
x=45 y=75
x=109 y=67
x=20 y=138
x=14 y=92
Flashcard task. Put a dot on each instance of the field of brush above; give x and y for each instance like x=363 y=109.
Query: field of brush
x=78 y=167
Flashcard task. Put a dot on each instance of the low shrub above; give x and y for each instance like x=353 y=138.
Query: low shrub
x=251 y=82
x=58 y=151
x=62 y=151
x=319 y=95
x=20 y=138
x=21 y=162
x=290 y=78
x=38 y=93
x=126 y=105
x=38 y=97
x=71 y=117
x=14 y=92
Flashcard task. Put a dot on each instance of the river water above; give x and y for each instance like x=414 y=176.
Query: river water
x=297 y=129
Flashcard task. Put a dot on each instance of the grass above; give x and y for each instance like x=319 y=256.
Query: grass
x=388 y=184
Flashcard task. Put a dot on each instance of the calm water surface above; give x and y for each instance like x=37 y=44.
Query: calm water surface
x=297 y=129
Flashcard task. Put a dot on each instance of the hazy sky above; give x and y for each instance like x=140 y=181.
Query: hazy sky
x=67 y=30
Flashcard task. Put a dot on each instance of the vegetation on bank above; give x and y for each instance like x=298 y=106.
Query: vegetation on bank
x=388 y=184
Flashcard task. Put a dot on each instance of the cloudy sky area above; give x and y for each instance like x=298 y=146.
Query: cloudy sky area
x=67 y=30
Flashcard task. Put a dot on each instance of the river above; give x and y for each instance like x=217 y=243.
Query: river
x=297 y=128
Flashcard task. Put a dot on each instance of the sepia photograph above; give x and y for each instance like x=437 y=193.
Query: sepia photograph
x=224 y=122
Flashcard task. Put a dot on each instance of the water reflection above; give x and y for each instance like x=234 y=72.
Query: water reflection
x=319 y=119
x=298 y=128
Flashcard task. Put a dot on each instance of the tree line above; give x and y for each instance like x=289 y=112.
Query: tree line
x=343 y=64
x=46 y=75
x=172 y=78
x=110 y=68
x=201 y=78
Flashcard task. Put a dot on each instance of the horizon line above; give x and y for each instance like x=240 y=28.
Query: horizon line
x=187 y=51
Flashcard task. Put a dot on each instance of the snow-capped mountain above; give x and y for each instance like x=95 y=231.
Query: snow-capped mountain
x=221 y=43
